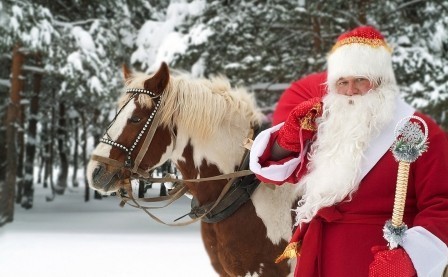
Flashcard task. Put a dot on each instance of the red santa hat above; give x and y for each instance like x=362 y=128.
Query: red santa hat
x=360 y=52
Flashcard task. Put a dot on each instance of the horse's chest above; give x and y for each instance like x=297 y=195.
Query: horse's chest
x=273 y=207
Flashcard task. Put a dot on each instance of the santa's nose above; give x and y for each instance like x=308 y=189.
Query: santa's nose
x=352 y=89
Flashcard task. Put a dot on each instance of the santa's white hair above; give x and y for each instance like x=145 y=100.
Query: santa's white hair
x=347 y=126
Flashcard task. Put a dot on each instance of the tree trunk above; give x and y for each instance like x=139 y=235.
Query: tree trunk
x=21 y=149
x=3 y=149
x=75 y=153
x=84 y=155
x=45 y=153
x=363 y=5
x=7 y=63
x=7 y=191
x=61 y=184
x=50 y=153
x=28 y=184
x=317 y=42
x=96 y=135
x=40 y=160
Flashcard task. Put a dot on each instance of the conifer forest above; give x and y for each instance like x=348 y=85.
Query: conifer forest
x=61 y=66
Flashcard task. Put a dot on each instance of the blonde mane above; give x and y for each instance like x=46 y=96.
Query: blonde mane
x=200 y=105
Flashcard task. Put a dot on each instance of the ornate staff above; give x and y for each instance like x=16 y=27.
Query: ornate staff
x=410 y=143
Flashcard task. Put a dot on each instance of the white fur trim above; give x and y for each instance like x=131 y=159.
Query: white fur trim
x=276 y=173
x=427 y=252
x=359 y=59
x=381 y=144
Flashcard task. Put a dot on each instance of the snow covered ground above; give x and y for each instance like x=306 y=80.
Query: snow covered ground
x=68 y=237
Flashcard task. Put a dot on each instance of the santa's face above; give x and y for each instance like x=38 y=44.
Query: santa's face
x=354 y=85
x=345 y=130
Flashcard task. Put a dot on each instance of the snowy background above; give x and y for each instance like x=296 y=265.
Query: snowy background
x=68 y=237
x=82 y=46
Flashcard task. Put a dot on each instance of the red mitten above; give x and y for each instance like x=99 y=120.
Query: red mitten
x=391 y=263
x=300 y=125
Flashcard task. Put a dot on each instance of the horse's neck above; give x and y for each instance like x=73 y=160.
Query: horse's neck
x=206 y=159
x=206 y=191
x=223 y=149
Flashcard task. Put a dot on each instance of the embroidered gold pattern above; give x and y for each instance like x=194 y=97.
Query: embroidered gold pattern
x=369 y=41
x=291 y=251
x=307 y=122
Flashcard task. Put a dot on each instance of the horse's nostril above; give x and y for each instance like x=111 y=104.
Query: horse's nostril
x=113 y=178
x=97 y=171
x=103 y=179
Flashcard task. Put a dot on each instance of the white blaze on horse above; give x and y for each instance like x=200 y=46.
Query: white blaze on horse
x=200 y=125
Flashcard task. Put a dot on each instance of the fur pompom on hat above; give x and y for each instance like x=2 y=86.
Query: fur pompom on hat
x=362 y=51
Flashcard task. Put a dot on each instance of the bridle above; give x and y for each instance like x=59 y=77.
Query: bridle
x=154 y=117
x=235 y=193
x=133 y=166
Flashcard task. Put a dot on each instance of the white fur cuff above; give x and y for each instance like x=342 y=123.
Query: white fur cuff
x=276 y=173
x=427 y=252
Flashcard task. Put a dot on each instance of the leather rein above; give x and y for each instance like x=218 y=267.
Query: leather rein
x=179 y=187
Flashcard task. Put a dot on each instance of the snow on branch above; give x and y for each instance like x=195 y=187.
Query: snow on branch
x=34 y=69
x=5 y=83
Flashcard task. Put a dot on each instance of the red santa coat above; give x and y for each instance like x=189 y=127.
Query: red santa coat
x=343 y=235
x=338 y=241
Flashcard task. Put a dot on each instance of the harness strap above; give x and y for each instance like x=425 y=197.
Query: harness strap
x=206 y=210
x=173 y=197
x=239 y=193
x=178 y=189
x=206 y=213
x=182 y=187
x=223 y=193
x=212 y=178
x=108 y=161
x=142 y=173
x=147 y=141
x=116 y=164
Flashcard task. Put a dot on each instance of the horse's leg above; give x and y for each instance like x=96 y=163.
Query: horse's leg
x=211 y=246
x=244 y=249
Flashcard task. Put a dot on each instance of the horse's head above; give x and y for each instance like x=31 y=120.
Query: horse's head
x=123 y=149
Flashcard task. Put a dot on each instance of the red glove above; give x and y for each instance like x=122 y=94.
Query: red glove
x=391 y=263
x=300 y=125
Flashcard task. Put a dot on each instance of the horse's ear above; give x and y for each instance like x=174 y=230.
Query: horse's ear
x=127 y=72
x=158 y=82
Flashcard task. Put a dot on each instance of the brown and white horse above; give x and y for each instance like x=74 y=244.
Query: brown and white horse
x=200 y=126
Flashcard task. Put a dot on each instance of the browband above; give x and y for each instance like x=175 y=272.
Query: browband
x=142 y=90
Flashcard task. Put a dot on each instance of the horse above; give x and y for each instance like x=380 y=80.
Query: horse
x=199 y=124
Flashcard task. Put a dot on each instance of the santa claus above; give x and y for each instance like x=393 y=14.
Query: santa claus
x=335 y=149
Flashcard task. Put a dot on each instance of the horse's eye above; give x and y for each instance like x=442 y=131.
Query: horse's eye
x=135 y=119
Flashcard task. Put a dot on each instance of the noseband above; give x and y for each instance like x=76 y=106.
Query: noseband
x=154 y=117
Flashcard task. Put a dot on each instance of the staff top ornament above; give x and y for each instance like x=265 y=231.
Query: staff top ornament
x=410 y=143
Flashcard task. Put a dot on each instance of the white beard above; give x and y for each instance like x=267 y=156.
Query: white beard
x=344 y=133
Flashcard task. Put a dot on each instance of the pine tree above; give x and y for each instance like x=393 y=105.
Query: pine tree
x=418 y=30
x=279 y=41
x=81 y=46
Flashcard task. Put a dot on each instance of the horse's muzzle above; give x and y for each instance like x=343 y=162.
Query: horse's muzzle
x=104 y=180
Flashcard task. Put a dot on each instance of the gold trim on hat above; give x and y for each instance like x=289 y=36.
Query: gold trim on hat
x=373 y=42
